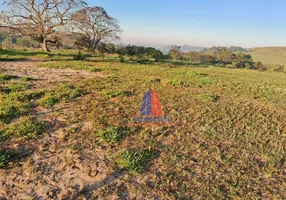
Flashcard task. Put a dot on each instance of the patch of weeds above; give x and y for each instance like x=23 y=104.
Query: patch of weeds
x=196 y=74
x=79 y=56
x=27 y=126
x=26 y=96
x=68 y=92
x=113 y=93
x=174 y=82
x=202 y=82
x=27 y=78
x=113 y=134
x=5 y=158
x=3 y=134
x=5 y=77
x=134 y=160
x=92 y=69
x=4 y=90
x=10 y=108
x=17 y=87
x=206 y=97
x=48 y=100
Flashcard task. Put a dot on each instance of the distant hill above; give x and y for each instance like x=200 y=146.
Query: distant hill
x=185 y=48
x=214 y=50
x=269 y=55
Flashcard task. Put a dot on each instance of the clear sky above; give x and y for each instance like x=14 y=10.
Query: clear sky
x=246 y=23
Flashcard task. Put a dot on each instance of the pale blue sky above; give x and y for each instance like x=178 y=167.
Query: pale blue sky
x=246 y=23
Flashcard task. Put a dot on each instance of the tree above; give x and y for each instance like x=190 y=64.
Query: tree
x=154 y=53
x=175 y=52
x=38 y=19
x=95 y=25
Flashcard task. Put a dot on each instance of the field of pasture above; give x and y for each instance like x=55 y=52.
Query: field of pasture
x=64 y=130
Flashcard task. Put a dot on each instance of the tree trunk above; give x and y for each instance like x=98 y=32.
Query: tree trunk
x=45 y=46
x=94 y=45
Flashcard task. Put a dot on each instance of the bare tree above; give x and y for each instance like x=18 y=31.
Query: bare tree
x=94 y=25
x=175 y=52
x=38 y=19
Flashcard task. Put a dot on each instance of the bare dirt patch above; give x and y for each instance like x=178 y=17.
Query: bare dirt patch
x=47 y=78
x=56 y=168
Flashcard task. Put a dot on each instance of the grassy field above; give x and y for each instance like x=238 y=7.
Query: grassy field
x=70 y=137
x=269 y=55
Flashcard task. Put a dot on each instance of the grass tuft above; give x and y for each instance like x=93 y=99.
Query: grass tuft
x=113 y=93
x=27 y=127
x=208 y=97
x=5 y=158
x=134 y=160
x=113 y=134
x=5 y=77
x=48 y=100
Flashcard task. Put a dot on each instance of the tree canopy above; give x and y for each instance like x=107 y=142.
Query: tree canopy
x=38 y=19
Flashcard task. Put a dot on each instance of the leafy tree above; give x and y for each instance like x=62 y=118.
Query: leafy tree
x=154 y=53
x=225 y=56
x=95 y=25
x=38 y=19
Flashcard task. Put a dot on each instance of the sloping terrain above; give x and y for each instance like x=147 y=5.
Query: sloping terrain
x=228 y=140
x=270 y=55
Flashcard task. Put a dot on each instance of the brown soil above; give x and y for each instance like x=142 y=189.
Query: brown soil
x=55 y=169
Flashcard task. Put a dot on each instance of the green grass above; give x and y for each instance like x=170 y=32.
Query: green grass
x=48 y=100
x=208 y=97
x=17 y=87
x=228 y=141
x=5 y=77
x=113 y=134
x=26 y=78
x=5 y=158
x=106 y=93
x=66 y=92
x=134 y=160
x=26 y=127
